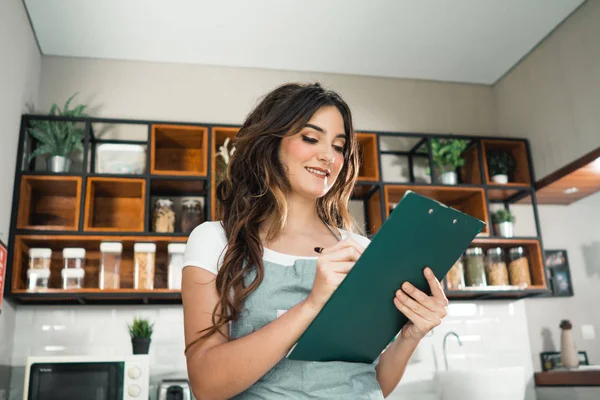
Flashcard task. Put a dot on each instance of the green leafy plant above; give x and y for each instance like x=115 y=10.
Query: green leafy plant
x=447 y=153
x=140 y=329
x=503 y=215
x=500 y=163
x=58 y=138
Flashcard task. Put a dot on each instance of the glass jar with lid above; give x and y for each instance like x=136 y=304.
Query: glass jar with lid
x=518 y=267
x=39 y=258
x=176 y=253
x=143 y=268
x=191 y=214
x=474 y=267
x=110 y=265
x=455 y=279
x=163 y=216
x=74 y=257
x=495 y=267
x=72 y=278
x=37 y=279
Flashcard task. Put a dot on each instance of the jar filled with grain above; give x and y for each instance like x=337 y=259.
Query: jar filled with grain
x=495 y=267
x=39 y=258
x=518 y=267
x=191 y=214
x=455 y=279
x=474 y=267
x=143 y=268
x=110 y=265
x=163 y=216
x=72 y=278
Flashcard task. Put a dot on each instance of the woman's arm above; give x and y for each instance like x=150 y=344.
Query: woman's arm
x=219 y=368
x=424 y=313
x=392 y=364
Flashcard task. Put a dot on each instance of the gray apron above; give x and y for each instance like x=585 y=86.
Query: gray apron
x=282 y=288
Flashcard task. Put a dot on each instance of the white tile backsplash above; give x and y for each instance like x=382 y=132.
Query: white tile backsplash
x=494 y=334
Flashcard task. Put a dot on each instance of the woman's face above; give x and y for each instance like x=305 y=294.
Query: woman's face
x=314 y=157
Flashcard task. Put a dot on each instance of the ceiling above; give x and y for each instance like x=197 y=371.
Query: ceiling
x=446 y=40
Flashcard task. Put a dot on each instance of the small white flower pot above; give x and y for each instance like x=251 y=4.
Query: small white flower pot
x=502 y=179
x=505 y=229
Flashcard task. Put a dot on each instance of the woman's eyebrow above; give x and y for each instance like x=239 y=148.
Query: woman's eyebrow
x=319 y=129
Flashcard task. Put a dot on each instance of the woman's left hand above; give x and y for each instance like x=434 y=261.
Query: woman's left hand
x=424 y=312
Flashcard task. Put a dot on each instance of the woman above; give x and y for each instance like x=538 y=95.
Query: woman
x=284 y=245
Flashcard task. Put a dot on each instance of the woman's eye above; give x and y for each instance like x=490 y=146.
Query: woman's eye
x=339 y=149
x=309 y=139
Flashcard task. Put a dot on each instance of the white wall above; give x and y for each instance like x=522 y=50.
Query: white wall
x=553 y=96
x=178 y=92
x=19 y=82
x=574 y=228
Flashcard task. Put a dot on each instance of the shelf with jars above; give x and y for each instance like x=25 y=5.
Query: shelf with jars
x=152 y=182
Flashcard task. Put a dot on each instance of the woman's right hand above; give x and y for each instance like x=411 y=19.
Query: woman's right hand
x=333 y=265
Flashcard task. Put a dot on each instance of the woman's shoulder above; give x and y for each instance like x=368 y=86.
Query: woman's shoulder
x=205 y=246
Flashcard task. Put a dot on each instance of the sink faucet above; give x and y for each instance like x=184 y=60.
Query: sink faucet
x=445 y=338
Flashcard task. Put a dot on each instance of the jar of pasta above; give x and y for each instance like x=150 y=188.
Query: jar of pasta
x=455 y=279
x=163 y=216
x=143 y=268
x=474 y=267
x=110 y=265
x=518 y=267
x=495 y=267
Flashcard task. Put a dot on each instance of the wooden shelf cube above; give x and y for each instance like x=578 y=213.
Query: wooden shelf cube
x=518 y=150
x=470 y=201
x=49 y=202
x=533 y=252
x=91 y=243
x=219 y=135
x=115 y=204
x=369 y=160
x=179 y=150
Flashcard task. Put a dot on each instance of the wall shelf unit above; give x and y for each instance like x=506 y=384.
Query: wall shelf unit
x=84 y=208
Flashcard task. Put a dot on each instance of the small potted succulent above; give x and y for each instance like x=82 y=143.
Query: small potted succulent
x=58 y=139
x=447 y=157
x=501 y=165
x=141 y=333
x=503 y=223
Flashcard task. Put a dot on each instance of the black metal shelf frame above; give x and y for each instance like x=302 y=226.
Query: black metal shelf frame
x=24 y=168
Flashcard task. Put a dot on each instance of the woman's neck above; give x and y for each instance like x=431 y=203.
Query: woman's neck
x=302 y=216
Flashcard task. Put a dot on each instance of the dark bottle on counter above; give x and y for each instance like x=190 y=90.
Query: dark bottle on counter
x=191 y=214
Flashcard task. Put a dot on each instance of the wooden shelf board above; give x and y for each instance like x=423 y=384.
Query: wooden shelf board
x=568 y=378
x=179 y=150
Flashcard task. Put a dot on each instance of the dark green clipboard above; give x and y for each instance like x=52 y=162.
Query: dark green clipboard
x=360 y=318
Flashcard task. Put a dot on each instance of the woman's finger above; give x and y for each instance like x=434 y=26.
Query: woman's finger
x=421 y=297
x=418 y=308
x=343 y=254
x=436 y=288
x=408 y=313
x=341 y=267
x=348 y=242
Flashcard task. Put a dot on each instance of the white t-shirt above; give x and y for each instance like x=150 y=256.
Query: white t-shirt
x=206 y=248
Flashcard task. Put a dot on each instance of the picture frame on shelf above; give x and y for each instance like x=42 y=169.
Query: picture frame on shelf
x=558 y=273
x=550 y=360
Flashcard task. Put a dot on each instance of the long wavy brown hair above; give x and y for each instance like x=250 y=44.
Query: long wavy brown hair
x=255 y=186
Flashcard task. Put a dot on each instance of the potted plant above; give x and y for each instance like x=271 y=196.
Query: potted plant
x=501 y=165
x=503 y=223
x=447 y=157
x=58 y=139
x=140 y=332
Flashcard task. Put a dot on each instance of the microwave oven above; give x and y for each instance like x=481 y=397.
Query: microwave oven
x=87 y=378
